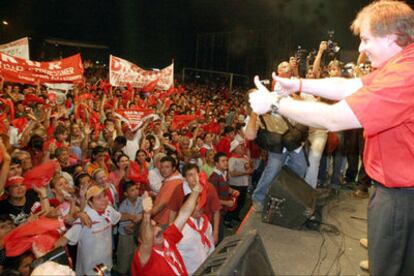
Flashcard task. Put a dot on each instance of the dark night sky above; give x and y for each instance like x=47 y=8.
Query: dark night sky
x=151 y=33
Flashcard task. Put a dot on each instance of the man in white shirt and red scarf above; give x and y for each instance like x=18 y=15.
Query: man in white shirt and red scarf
x=157 y=253
x=197 y=242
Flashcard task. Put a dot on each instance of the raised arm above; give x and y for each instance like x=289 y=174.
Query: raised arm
x=329 y=88
x=315 y=114
x=316 y=69
x=5 y=167
x=250 y=132
x=188 y=207
x=146 y=231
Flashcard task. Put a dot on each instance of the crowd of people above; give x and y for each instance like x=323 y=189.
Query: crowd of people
x=70 y=158
x=155 y=199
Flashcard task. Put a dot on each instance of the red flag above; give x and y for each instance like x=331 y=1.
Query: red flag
x=32 y=98
x=20 y=124
x=86 y=96
x=133 y=117
x=41 y=175
x=180 y=121
x=149 y=87
x=43 y=232
x=212 y=127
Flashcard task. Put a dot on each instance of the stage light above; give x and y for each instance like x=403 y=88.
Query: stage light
x=4 y=22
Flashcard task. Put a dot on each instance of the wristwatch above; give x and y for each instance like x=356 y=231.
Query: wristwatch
x=275 y=105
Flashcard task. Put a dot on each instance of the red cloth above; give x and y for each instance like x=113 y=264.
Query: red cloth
x=384 y=107
x=43 y=232
x=224 y=145
x=157 y=264
x=20 y=124
x=10 y=104
x=212 y=127
x=41 y=175
x=136 y=175
x=204 y=240
x=181 y=121
x=32 y=98
x=149 y=87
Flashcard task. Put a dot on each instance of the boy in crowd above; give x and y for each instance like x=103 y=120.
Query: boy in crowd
x=132 y=205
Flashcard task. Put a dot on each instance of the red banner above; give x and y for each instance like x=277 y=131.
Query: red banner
x=20 y=70
x=134 y=117
x=122 y=72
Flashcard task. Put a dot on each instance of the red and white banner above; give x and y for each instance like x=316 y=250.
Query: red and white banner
x=18 y=48
x=122 y=72
x=134 y=117
x=20 y=70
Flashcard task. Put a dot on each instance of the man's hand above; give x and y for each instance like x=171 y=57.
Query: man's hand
x=197 y=187
x=323 y=46
x=147 y=203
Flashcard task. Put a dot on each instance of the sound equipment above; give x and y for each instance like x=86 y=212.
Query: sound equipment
x=238 y=255
x=58 y=255
x=290 y=201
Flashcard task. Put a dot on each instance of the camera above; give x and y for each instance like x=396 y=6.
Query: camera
x=333 y=47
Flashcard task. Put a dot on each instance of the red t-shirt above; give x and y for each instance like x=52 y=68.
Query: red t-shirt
x=385 y=108
x=157 y=264
x=224 y=145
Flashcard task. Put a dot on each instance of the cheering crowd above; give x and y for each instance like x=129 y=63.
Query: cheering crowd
x=154 y=195
x=158 y=197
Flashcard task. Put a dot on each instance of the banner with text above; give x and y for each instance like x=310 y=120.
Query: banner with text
x=67 y=70
x=134 y=117
x=18 y=48
x=122 y=72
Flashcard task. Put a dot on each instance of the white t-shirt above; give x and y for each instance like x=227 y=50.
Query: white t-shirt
x=193 y=251
x=238 y=165
x=132 y=146
x=155 y=180
x=95 y=243
x=13 y=136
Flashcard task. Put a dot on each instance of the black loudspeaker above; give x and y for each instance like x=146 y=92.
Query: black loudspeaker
x=238 y=255
x=290 y=201
x=58 y=255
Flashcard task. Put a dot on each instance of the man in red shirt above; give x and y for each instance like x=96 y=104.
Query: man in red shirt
x=212 y=206
x=157 y=253
x=225 y=141
x=383 y=104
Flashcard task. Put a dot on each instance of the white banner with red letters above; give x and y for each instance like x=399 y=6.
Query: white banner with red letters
x=122 y=72
x=18 y=48
x=134 y=117
x=67 y=70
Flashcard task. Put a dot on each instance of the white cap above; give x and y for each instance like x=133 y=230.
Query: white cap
x=234 y=144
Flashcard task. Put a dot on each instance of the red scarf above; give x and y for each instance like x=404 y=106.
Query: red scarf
x=202 y=231
x=170 y=257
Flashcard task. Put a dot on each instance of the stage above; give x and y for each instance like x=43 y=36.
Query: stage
x=305 y=252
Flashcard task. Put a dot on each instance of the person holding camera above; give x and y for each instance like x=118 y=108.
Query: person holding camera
x=381 y=103
x=278 y=155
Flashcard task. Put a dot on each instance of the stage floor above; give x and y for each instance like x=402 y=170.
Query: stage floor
x=304 y=252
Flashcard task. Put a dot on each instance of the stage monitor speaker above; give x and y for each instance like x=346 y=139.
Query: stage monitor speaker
x=242 y=254
x=290 y=201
